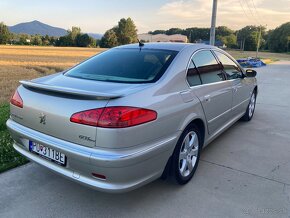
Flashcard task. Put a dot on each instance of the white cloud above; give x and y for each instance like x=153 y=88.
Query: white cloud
x=185 y=13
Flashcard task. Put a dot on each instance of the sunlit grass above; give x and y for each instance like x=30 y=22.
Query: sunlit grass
x=268 y=56
x=9 y=158
x=28 y=62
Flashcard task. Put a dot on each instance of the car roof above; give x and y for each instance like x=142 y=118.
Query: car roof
x=168 y=46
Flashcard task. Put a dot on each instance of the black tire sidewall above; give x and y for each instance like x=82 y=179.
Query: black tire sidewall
x=247 y=117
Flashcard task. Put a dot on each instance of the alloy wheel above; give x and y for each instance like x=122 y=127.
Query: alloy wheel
x=188 y=153
x=252 y=105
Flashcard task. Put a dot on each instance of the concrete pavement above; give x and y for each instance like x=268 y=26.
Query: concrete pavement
x=243 y=173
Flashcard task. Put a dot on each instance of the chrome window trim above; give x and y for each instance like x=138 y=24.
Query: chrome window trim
x=208 y=84
x=188 y=64
x=231 y=58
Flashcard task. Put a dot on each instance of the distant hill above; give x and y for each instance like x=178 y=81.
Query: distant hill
x=36 y=27
x=95 y=35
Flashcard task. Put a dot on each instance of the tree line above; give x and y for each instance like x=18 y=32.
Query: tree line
x=246 y=38
x=76 y=38
x=125 y=32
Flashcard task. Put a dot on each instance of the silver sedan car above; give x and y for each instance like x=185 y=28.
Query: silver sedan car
x=131 y=114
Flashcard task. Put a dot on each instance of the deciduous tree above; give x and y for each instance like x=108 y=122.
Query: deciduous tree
x=36 y=40
x=109 y=39
x=126 y=31
x=5 y=34
x=279 y=39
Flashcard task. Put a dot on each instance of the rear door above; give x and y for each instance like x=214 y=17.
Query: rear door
x=240 y=87
x=209 y=84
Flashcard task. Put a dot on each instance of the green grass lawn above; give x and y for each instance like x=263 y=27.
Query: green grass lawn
x=9 y=158
x=262 y=55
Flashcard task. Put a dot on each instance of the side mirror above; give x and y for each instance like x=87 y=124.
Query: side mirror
x=251 y=73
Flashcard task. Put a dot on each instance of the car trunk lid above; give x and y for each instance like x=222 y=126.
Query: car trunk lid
x=49 y=102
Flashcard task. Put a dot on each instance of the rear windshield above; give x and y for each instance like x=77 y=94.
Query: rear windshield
x=125 y=66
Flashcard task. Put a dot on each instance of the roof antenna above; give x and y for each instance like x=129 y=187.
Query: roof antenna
x=141 y=44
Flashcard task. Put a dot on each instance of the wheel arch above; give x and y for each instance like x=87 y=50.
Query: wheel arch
x=202 y=128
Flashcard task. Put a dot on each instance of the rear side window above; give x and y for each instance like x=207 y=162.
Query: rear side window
x=208 y=67
x=192 y=75
x=125 y=66
x=230 y=67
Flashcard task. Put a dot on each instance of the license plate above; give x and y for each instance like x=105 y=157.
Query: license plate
x=47 y=153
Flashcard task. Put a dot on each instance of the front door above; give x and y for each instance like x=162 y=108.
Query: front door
x=241 y=94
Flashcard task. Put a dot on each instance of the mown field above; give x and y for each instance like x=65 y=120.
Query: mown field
x=28 y=62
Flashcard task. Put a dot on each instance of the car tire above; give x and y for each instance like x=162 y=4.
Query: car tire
x=251 y=108
x=186 y=155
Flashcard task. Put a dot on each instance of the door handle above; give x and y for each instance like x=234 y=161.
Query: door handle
x=207 y=98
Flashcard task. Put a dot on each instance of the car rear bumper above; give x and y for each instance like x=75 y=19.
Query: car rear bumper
x=125 y=169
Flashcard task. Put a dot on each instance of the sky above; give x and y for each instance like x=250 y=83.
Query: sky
x=97 y=16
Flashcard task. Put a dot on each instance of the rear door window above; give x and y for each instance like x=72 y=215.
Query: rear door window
x=209 y=69
x=193 y=77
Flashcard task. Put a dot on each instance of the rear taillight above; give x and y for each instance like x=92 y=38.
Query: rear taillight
x=120 y=117
x=114 y=117
x=89 y=117
x=16 y=100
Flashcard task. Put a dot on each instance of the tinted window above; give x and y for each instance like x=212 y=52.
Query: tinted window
x=192 y=75
x=125 y=66
x=208 y=67
x=230 y=67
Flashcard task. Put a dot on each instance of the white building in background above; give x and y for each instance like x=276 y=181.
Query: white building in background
x=162 y=38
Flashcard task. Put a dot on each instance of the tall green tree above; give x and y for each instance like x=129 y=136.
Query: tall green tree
x=36 y=40
x=248 y=37
x=229 y=40
x=71 y=38
x=45 y=40
x=126 y=31
x=279 y=38
x=84 y=40
x=5 y=34
x=24 y=39
x=73 y=34
x=109 y=40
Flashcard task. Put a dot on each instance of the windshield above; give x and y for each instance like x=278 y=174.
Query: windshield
x=125 y=66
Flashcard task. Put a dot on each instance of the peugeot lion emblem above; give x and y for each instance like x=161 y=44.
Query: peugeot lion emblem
x=42 y=118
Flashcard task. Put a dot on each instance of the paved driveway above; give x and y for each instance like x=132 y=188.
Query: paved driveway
x=245 y=172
